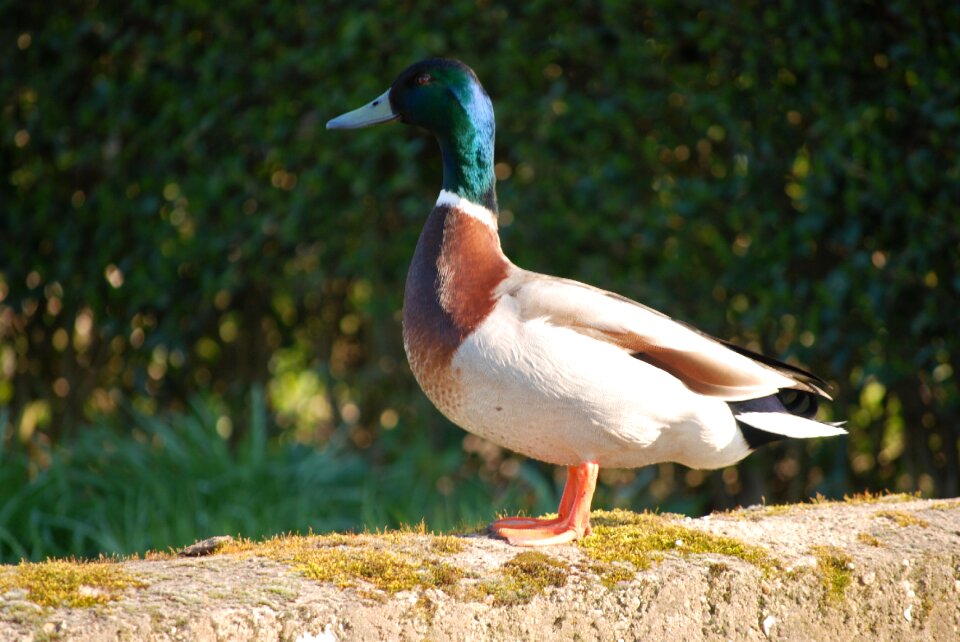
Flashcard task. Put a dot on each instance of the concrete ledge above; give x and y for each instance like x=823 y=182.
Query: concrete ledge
x=867 y=568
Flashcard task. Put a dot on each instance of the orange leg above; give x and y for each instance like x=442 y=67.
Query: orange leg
x=572 y=521
x=566 y=502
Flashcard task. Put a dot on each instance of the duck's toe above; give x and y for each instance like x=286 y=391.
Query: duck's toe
x=544 y=534
x=522 y=522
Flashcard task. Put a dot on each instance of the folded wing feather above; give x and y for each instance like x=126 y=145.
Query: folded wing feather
x=702 y=363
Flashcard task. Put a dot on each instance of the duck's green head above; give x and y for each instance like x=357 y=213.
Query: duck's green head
x=444 y=97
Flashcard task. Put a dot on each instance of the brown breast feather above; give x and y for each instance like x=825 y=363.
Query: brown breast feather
x=450 y=291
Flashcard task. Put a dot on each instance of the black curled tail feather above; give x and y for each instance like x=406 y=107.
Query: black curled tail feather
x=804 y=378
x=799 y=402
x=789 y=401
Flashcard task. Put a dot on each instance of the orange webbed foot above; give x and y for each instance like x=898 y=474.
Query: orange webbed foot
x=573 y=519
x=543 y=535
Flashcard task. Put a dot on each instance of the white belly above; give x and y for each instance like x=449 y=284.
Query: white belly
x=553 y=394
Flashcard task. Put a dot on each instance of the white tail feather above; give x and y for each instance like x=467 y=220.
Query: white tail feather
x=781 y=423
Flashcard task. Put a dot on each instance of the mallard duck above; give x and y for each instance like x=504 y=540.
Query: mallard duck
x=551 y=368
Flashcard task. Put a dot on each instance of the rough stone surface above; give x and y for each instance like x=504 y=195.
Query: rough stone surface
x=904 y=583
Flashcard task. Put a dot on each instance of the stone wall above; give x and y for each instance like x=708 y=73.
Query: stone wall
x=867 y=568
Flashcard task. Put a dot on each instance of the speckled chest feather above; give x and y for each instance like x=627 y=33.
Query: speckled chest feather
x=450 y=291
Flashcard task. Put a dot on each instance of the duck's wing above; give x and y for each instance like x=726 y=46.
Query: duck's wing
x=704 y=364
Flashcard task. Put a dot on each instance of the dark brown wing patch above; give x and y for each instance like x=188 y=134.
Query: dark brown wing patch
x=700 y=374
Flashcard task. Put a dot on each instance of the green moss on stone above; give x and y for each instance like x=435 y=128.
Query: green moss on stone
x=869 y=539
x=835 y=568
x=348 y=559
x=903 y=518
x=524 y=577
x=447 y=544
x=69 y=582
x=389 y=572
x=950 y=504
x=641 y=539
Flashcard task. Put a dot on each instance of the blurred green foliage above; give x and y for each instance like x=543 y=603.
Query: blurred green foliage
x=174 y=478
x=176 y=225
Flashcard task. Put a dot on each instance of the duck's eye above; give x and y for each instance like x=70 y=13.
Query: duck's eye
x=424 y=79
